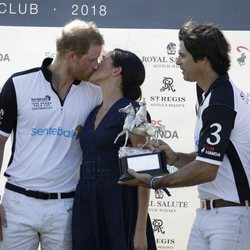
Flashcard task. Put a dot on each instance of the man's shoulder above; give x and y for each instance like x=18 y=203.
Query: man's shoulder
x=45 y=63
x=26 y=72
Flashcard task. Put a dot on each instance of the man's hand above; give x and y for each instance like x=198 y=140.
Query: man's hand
x=3 y=222
x=161 y=146
x=139 y=179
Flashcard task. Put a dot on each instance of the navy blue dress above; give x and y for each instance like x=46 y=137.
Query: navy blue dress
x=104 y=212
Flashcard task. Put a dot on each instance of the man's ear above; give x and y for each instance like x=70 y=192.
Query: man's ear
x=117 y=71
x=204 y=60
x=71 y=56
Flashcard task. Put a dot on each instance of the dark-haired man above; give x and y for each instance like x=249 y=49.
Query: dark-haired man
x=220 y=164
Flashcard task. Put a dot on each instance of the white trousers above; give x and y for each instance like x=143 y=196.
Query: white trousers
x=226 y=228
x=31 y=222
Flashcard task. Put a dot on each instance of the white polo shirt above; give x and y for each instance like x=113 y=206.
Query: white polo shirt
x=222 y=137
x=45 y=153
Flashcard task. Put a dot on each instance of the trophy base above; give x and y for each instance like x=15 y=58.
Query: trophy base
x=150 y=163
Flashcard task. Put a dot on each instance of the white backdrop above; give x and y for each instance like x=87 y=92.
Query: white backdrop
x=170 y=101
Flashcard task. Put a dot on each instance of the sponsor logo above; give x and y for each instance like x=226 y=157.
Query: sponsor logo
x=167 y=101
x=41 y=103
x=158 y=226
x=168 y=204
x=54 y=132
x=242 y=58
x=163 y=133
x=171 y=48
x=209 y=150
x=4 y=57
x=168 y=84
x=159 y=194
x=160 y=238
x=160 y=205
x=165 y=61
x=156 y=122
x=167 y=134
x=165 y=241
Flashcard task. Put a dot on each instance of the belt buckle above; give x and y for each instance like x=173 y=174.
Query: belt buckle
x=50 y=196
x=203 y=204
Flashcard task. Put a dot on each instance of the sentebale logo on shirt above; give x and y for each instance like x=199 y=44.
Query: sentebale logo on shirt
x=53 y=132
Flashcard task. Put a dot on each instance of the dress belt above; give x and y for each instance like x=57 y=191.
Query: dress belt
x=38 y=194
x=90 y=170
x=210 y=204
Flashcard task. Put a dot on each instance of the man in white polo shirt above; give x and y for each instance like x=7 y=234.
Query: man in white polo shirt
x=43 y=108
x=220 y=165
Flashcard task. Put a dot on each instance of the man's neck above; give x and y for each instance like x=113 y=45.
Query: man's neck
x=207 y=80
x=61 y=81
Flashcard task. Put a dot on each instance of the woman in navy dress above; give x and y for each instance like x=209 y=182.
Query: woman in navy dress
x=106 y=215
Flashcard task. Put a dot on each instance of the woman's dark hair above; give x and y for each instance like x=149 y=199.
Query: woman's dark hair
x=206 y=40
x=133 y=72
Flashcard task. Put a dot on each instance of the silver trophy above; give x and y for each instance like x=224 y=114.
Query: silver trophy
x=138 y=158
